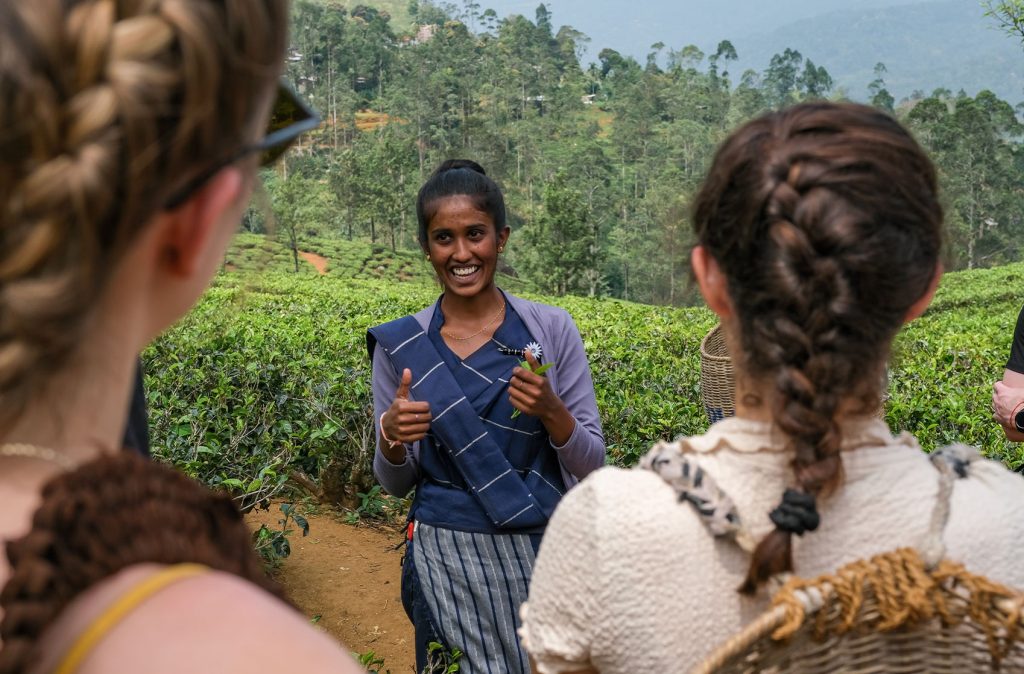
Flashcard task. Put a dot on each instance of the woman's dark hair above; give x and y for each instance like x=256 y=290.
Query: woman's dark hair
x=459 y=177
x=826 y=223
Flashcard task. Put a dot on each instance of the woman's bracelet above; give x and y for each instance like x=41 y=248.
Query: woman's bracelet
x=1013 y=416
x=391 y=443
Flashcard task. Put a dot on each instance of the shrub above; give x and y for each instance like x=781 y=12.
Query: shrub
x=269 y=374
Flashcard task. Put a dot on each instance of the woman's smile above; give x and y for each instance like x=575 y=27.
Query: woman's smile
x=464 y=271
x=466 y=274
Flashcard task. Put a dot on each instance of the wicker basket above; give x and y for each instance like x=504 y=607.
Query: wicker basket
x=850 y=635
x=717 y=384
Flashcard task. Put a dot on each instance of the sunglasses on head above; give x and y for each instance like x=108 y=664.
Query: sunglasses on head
x=289 y=118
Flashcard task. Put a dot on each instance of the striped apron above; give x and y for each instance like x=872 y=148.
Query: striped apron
x=489 y=484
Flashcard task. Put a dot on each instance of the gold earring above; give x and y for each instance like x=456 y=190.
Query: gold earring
x=428 y=256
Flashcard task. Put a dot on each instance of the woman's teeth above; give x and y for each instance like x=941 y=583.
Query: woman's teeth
x=464 y=271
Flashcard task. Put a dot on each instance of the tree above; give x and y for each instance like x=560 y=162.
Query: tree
x=543 y=20
x=972 y=142
x=612 y=60
x=750 y=98
x=880 y=96
x=725 y=52
x=653 y=56
x=814 y=81
x=782 y=76
x=294 y=207
x=563 y=255
x=1009 y=14
x=572 y=43
x=688 y=58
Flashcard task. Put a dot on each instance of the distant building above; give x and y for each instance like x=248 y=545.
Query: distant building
x=425 y=33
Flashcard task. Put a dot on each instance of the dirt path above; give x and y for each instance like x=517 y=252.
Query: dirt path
x=350 y=577
x=318 y=261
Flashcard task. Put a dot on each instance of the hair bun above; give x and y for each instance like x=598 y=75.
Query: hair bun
x=453 y=164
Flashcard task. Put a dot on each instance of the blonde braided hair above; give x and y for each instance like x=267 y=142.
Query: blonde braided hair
x=107 y=107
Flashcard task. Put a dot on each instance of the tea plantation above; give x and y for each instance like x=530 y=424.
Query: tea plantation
x=269 y=374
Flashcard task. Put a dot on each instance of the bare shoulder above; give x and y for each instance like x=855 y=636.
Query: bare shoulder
x=220 y=623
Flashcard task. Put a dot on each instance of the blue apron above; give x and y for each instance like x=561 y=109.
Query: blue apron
x=482 y=470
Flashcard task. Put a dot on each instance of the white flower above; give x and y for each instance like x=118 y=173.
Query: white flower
x=534 y=348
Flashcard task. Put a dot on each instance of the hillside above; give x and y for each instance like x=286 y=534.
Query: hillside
x=397 y=9
x=252 y=254
x=631 y=28
x=924 y=46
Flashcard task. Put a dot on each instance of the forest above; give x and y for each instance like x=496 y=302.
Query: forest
x=598 y=161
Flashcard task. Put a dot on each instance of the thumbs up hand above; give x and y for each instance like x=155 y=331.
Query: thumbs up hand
x=404 y=422
x=403 y=387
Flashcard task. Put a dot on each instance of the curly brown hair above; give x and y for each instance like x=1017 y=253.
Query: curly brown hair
x=826 y=222
x=108 y=515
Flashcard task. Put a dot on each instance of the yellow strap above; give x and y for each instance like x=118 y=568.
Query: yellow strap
x=117 y=611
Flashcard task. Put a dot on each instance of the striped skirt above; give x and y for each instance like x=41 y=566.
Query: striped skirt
x=472 y=586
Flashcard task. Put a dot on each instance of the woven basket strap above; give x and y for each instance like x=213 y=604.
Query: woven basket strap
x=953 y=462
x=673 y=463
x=693 y=485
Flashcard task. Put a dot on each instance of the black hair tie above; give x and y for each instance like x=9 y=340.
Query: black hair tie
x=796 y=514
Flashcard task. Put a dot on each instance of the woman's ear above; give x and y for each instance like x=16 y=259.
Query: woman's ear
x=503 y=235
x=177 y=253
x=712 y=282
x=918 y=307
x=190 y=229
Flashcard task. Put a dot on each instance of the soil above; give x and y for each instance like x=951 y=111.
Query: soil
x=368 y=120
x=349 y=576
x=318 y=261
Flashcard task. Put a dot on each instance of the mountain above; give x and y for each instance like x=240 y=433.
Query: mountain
x=924 y=46
x=632 y=27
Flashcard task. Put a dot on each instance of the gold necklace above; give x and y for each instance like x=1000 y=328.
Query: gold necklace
x=501 y=311
x=36 y=452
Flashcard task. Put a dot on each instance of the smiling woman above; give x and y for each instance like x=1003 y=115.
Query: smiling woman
x=490 y=443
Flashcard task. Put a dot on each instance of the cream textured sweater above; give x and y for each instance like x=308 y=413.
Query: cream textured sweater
x=629 y=580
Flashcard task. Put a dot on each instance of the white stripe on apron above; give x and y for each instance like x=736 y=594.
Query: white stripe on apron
x=473 y=585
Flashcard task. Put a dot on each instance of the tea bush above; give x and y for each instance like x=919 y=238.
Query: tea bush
x=269 y=374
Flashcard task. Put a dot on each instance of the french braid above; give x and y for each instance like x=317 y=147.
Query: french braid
x=826 y=222
x=107 y=107
x=109 y=515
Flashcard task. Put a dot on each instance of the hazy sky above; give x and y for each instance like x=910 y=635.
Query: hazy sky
x=631 y=26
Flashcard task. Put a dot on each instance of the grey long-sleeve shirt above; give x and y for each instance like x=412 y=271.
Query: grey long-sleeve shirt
x=570 y=379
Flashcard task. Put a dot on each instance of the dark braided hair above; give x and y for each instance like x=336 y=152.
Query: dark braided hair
x=826 y=223
x=108 y=515
x=459 y=177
